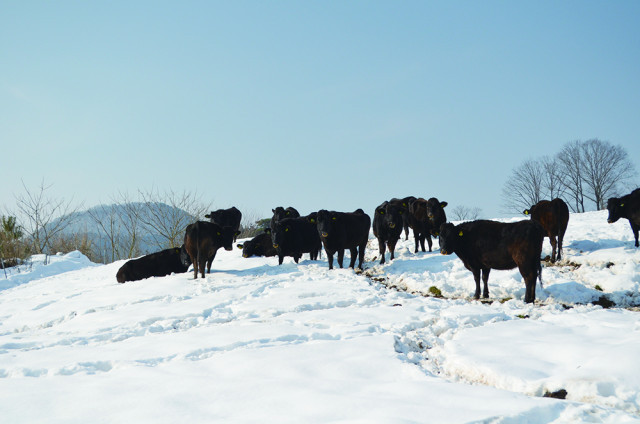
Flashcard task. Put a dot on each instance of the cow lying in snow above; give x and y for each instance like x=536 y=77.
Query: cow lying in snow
x=260 y=245
x=156 y=264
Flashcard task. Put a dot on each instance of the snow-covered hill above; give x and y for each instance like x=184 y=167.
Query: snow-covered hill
x=258 y=342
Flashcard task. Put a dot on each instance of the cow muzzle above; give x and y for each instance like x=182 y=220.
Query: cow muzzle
x=324 y=234
x=392 y=225
x=444 y=252
x=276 y=245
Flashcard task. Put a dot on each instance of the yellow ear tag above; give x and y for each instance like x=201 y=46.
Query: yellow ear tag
x=218 y=233
x=460 y=233
x=313 y=220
x=526 y=212
x=381 y=212
x=334 y=218
x=404 y=204
x=437 y=234
x=286 y=229
x=622 y=205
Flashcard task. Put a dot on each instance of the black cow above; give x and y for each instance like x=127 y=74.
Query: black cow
x=155 y=265
x=553 y=215
x=419 y=223
x=387 y=227
x=344 y=230
x=404 y=204
x=202 y=241
x=281 y=213
x=626 y=207
x=227 y=218
x=260 y=245
x=483 y=245
x=435 y=216
x=295 y=236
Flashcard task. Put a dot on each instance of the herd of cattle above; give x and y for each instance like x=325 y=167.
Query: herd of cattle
x=482 y=245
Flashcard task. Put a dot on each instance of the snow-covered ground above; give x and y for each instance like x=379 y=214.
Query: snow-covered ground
x=258 y=342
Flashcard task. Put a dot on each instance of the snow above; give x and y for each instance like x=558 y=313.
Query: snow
x=258 y=342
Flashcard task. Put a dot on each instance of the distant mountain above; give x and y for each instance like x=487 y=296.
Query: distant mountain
x=104 y=222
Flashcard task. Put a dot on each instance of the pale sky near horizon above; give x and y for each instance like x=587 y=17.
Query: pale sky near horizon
x=337 y=105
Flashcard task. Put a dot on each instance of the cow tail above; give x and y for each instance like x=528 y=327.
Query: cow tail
x=540 y=273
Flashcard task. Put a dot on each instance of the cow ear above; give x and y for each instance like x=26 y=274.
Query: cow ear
x=526 y=212
x=286 y=229
x=622 y=205
x=218 y=232
x=240 y=246
x=313 y=221
x=288 y=213
x=334 y=218
x=443 y=204
x=460 y=233
x=381 y=212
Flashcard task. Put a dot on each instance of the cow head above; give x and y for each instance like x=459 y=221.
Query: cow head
x=436 y=214
x=326 y=222
x=418 y=208
x=390 y=214
x=449 y=237
x=225 y=236
x=279 y=234
x=617 y=210
x=185 y=259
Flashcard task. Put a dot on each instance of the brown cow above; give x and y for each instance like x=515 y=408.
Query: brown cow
x=553 y=215
x=202 y=240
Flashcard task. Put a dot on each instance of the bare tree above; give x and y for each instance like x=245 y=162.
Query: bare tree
x=570 y=171
x=464 y=213
x=166 y=215
x=605 y=166
x=524 y=186
x=44 y=218
x=552 y=186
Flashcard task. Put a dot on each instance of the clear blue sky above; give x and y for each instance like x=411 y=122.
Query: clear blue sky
x=337 y=105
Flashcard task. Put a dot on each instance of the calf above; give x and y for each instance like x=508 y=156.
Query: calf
x=419 y=222
x=553 y=215
x=343 y=230
x=404 y=204
x=281 y=213
x=260 y=245
x=387 y=227
x=295 y=236
x=155 y=265
x=227 y=218
x=483 y=245
x=202 y=240
x=626 y=207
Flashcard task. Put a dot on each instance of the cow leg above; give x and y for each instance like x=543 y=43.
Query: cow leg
x=485 y=282
x=559 y=256
x=429 y=242
x=201 y=264
x=354 y=255
x=340 y=257
x=422 y=242
x=406 y=232
x=554 y=244
x=416 y=236
x=635 y=229
x=361 y=250
x=530 y=275
x=382 y=248
x=392 y=248
x=210 y=261
x=476 y=277
x=330 y=257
